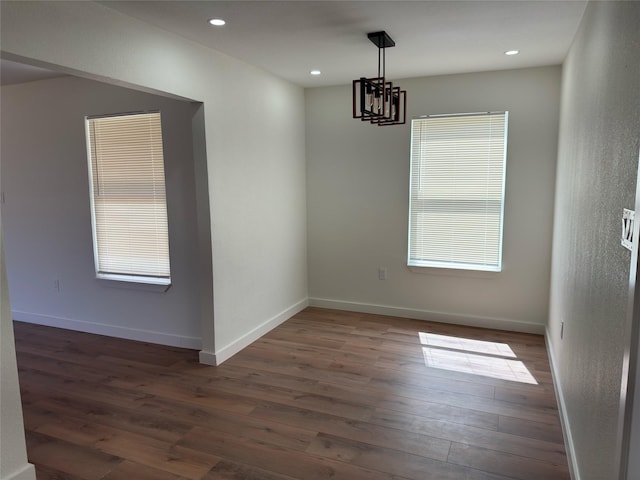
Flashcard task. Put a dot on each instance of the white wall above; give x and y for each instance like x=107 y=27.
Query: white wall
x=13 y=452
x=48 y=220
x=358 y=182
x=596 y=179
x=254 y=130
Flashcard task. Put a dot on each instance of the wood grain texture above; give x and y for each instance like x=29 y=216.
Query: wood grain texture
x=328 y=394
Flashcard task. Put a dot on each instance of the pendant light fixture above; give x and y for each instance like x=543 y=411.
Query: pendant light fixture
x=374 y=99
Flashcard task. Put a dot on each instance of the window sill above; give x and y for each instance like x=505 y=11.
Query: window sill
x=453 y=272
x=146 y=284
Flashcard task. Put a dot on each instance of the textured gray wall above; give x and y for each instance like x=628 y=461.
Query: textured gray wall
x=597 y=165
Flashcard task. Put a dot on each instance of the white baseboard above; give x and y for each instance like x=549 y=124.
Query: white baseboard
x=110 y=330
x=457 y=319
x=564 y=419
x=27 y=472
x=226 y=352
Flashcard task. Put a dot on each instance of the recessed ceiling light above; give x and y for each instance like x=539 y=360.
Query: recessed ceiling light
x=218 y=22
x=315 y=72
x=512 y=52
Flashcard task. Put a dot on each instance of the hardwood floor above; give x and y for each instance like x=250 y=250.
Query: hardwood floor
x=328 y=394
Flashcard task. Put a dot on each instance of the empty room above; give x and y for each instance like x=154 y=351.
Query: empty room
x=319 y=239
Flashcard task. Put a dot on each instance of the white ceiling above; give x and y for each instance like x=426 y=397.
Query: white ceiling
x=290 y=38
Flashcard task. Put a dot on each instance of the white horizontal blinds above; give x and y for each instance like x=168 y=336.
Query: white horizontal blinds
x=128 y=195
x=457 y=191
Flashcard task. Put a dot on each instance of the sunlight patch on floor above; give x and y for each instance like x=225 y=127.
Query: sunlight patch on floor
x=466 y=344
x=475 y=357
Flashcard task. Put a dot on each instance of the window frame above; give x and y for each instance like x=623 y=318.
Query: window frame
x=441 y=265
x=153 y=282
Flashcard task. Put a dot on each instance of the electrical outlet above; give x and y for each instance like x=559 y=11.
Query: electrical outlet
x=382 y=273
x=56 y=285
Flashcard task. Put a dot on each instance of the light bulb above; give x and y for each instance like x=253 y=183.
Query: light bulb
x=369 y=100
x=376 y=103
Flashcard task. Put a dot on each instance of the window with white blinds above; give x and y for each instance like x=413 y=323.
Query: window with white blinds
x=128 y=200
x=456 y=204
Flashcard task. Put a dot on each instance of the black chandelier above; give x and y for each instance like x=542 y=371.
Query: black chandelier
x=374 y=99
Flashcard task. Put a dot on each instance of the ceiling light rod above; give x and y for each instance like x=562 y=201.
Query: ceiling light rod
x=374 y=99
x=382 y=40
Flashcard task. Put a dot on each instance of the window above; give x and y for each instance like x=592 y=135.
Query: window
x=128 y=200
x=456 y=199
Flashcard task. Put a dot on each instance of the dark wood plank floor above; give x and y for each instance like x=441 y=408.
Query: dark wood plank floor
x=328 y=394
